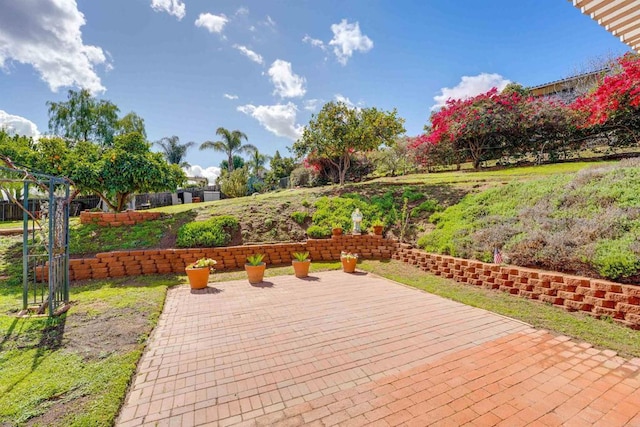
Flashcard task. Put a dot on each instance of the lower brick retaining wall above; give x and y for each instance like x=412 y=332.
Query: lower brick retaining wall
x=573 y=293
x=132 y=263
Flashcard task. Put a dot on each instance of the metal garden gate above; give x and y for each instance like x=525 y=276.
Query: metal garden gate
x=47 y=283
x=45 y=250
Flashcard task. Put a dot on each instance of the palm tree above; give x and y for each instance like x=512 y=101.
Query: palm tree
x=231 y=144
x=174 y=152
x=256 y=163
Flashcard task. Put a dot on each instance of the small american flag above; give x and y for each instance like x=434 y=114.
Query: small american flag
x=497 y=256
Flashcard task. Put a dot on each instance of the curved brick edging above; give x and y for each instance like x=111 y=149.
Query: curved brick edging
x=112 y=219
x=573 y=293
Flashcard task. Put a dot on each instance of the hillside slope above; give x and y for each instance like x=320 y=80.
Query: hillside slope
x=586 y=223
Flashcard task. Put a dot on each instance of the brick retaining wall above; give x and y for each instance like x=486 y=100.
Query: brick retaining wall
x=132 y=263
x=573 y=293
x=106 y=219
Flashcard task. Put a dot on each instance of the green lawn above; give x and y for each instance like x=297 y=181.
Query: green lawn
x=75 y=370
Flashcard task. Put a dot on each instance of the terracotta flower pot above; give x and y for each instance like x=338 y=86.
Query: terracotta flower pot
x=198 y=277
x=255 y=273
x=301 y=268
x=377 y=230
x=349 y=264
x=337 y=231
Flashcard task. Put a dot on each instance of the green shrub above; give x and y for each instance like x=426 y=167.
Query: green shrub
x=331 y=211
x=411 y=194
x=318 y=232
x=301 y=177
x=615 y=259
x=212 y=232
x=299 y=217
x=234 y=184
x=428 y=206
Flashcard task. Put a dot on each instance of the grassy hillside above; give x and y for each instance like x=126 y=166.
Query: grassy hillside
x=573 y=217
x=586 y=223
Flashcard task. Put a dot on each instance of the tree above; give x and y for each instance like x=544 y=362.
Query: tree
x=279 y=167
x=84 y=118
x=234 y=183
x=238 y=162
x=173 y=151
x=396 y=159
x=132 y=123
x=116 y=173
x=230 y=144
x=614 y=106
x=480 y=127
x=550 y=128
x=339 y=131
x=516 y=88
x=257 y=162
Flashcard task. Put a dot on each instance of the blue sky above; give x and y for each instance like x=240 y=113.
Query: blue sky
x=264 y=66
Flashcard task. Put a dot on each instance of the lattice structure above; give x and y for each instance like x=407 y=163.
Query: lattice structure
x=45 y=237
x=620 y=17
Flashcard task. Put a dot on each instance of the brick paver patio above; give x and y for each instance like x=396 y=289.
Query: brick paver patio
x=340 y=349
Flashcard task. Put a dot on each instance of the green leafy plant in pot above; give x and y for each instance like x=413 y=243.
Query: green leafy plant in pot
x=301 y=263
x=377 y=226
x=255 y=268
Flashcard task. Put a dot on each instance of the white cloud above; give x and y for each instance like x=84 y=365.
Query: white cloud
x=46 y=35
x=470 y=86
x=341 y=98
x=211 y=173
x=288 y=85
x=213 y=23
x=311 y=104
x=314 y=42
x=16 y=125
x=172 y=7
x=347 y=39
x=229 y=96
x=270 y=22
x=255 y=57
x=242 y=11
x=279 y=119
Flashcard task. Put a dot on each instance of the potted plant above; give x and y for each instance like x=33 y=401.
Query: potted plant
x=336 y=229
x=377 y=226
x=301 y=264
x=198 y=272
x=255 y=268
x=349 y=261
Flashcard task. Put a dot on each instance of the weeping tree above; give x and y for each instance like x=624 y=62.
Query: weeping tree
x=83 y=117
x=230 y=143
x=173 y=151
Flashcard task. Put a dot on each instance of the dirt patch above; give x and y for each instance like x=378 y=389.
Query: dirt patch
x=57 y=408
x=170 y=234
x=96 y=336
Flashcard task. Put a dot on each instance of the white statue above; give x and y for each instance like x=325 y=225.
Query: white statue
x=356 y=217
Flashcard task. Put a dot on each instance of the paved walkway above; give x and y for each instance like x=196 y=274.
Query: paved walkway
x=351 y=350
